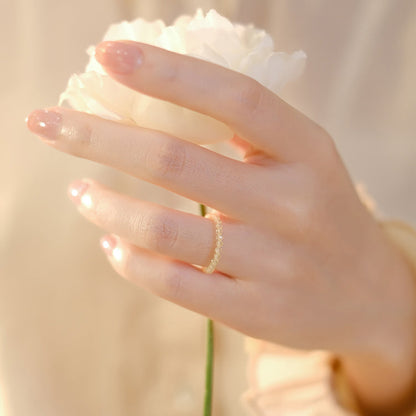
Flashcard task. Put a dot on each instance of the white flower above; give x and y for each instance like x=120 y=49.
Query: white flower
x=212 y=38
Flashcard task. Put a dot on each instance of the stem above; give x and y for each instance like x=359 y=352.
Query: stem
x=209 y=367
x=202 y=210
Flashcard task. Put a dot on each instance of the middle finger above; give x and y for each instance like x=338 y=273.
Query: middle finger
x=182 y=167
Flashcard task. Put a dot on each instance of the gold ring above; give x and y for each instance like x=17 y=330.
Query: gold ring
x=219 y=242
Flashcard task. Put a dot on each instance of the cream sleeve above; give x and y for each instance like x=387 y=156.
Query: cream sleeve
x=287 y=382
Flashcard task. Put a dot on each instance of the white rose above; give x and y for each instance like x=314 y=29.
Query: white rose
x=212 y=38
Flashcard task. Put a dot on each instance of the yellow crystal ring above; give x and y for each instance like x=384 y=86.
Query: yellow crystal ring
x=219 y=242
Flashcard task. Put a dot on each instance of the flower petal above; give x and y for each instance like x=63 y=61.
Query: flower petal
x=210 y=37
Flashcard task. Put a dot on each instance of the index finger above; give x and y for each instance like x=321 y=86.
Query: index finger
x=254 y=112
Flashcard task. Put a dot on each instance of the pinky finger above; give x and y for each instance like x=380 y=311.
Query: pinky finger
x=181 y=283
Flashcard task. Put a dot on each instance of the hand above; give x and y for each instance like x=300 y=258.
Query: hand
x=304 y=264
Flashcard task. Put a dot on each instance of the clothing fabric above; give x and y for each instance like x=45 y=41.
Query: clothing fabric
x=75 y=339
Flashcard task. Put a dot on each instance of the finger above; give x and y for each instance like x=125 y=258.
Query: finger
x=254 y=112
x=249 y=153
x=182 y=167
x=211 y=295
x=243 y=146
x=179 y=235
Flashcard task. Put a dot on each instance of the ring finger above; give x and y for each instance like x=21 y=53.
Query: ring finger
x=173 y=233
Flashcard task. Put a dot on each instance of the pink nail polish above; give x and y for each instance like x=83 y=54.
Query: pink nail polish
x=76 y=190
x=108 y=243
x=119 y=57
x=45 y=123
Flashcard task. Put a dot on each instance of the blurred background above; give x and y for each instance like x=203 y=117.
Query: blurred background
x=75 y=339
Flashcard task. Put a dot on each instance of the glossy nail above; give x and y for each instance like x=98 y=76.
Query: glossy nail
x=77 y=190
x=119 y=57
x=45 y=123
x=108 y=243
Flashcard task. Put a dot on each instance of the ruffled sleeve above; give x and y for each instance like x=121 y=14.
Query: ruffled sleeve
x=286 y=382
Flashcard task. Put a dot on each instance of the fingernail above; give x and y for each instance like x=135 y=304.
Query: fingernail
x=108 y=243
x=119 y=57
x=76 y=193
x=45 y=123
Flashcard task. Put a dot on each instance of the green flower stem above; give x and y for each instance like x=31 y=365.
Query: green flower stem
x=202 y=210
x=209 y=367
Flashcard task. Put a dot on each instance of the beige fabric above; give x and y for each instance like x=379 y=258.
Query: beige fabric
x=74 y=338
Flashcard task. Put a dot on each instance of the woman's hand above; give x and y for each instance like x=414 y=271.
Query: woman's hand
x=303 y=264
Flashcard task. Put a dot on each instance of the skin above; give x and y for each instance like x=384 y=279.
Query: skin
x=304 y=264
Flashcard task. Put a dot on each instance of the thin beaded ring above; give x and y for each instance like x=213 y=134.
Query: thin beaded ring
x=219 y=242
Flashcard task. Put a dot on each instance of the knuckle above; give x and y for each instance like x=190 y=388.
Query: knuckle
x=166 y=161
x=171 y=283
x=79 y=138
x=305 y=209
x=310 y=218
x=168 y=73
x=306 y=217
x=250 y=98
x=328 y=158
x=328 y=148
x=161 y=233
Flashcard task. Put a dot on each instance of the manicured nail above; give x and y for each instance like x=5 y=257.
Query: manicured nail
x=76 y=191
x=108 y=243
x=45 y=123
x=119 y=57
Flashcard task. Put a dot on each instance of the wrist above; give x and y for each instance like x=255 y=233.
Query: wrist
x=381 y=387
x=381 y=372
